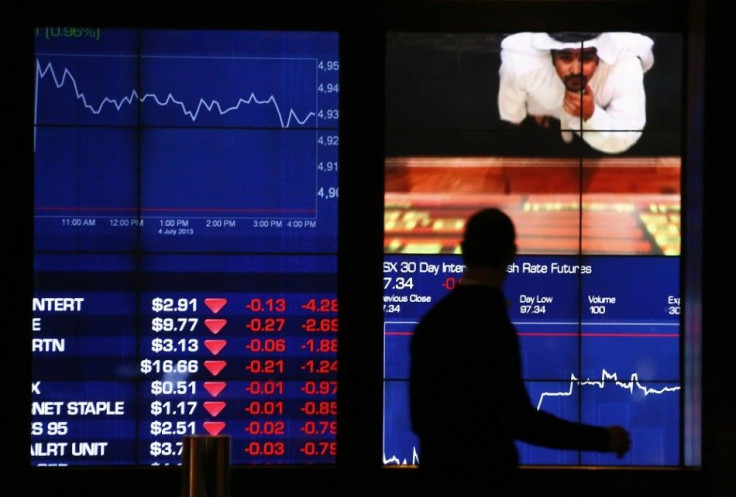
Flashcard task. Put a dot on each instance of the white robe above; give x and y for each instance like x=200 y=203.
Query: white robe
x=530 y=86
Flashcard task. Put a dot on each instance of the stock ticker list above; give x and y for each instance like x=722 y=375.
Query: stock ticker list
x=184 y=245
x=260 y=366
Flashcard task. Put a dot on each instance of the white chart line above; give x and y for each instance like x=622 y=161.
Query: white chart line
x=630 y=385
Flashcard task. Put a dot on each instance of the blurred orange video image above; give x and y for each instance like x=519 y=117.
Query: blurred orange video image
x=606 y=206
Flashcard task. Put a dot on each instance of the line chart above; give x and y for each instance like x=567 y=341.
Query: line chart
x=182 y=137
x=607 y=379
x=623 y=402
x=288 y=117
x=393 y=459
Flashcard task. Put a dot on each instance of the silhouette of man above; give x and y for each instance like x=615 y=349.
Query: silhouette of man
x=592 y=83
x=468 y=402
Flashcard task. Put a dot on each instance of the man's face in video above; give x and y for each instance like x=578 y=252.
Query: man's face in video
x=575 y=67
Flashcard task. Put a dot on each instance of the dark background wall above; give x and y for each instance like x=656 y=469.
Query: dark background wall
x=363 y=25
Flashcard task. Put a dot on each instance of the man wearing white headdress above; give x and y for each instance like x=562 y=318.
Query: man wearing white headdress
x=593 y=83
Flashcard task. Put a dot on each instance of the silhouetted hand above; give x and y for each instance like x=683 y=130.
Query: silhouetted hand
x=618 y=440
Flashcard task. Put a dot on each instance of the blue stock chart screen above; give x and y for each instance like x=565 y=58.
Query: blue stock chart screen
x=185 y=245
x=610 y=357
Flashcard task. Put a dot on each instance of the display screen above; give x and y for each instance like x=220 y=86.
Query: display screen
x=185 y=245
x=476 y=120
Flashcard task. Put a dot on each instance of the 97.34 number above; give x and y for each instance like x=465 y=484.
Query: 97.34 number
x=532 y=309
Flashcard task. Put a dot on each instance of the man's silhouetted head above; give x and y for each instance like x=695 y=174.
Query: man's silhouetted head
x=490 y=239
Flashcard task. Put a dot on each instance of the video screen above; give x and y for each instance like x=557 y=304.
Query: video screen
x=577 y=137
x=185 y=245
